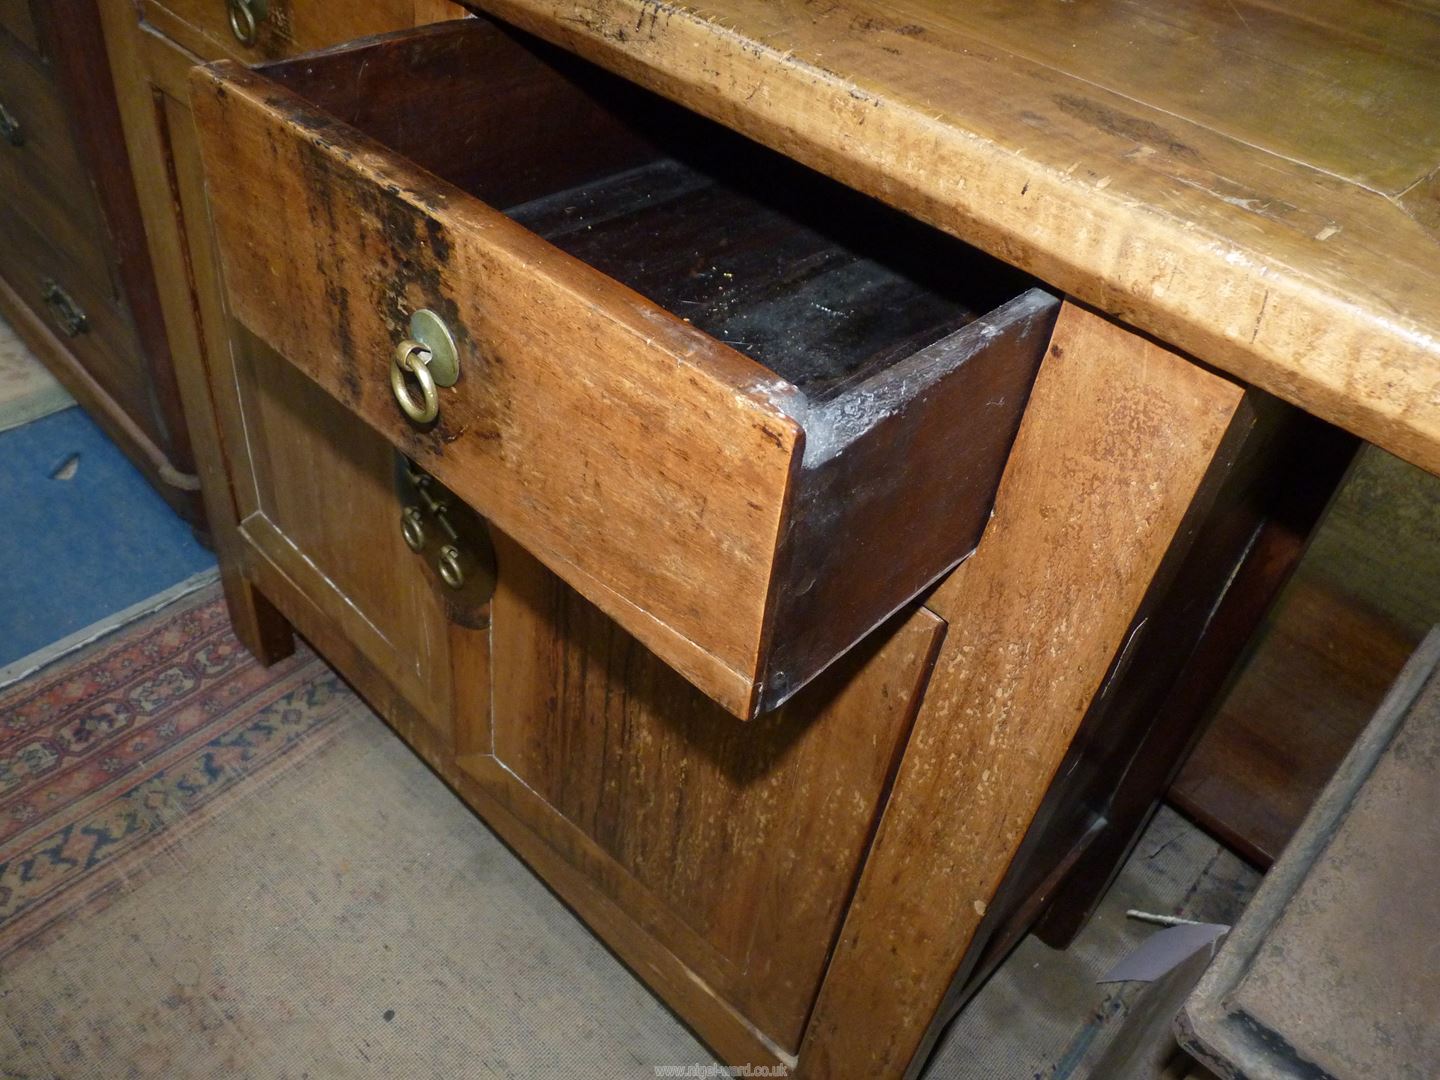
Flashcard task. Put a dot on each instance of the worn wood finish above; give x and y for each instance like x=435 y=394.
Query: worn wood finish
x=1277 y=220
x=741 y=840
x=1117 y=442
x=747 y=531
x=150 y=79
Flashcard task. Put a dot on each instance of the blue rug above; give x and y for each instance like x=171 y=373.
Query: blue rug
x=82 y=535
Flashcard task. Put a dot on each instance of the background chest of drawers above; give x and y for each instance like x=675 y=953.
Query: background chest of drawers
x=75 y=272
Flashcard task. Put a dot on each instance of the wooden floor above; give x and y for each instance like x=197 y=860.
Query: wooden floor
x=1361 y=600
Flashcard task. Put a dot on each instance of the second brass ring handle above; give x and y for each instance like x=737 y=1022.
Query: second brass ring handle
x=412 y=358
x=245 y=16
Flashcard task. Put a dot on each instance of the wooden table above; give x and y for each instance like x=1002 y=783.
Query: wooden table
x=1236 y=198
x=1256 y=182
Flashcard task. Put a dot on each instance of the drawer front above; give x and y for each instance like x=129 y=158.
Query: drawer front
x=584 y=418
x=105 y=344
x=264 y=29
x=41 y=172
x=745 y=533
x=16 y=20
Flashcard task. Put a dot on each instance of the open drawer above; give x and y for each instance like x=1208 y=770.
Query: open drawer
x=745 y=411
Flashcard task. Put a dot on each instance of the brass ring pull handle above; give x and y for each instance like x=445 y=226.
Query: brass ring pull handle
x=245 y=16
x=412 y=528
x=451 y=566
x=428 y=356
x=412 y=358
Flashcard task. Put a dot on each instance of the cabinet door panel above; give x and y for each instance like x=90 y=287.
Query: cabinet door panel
x=324 y=508
x=735 y=844
x=313 y=488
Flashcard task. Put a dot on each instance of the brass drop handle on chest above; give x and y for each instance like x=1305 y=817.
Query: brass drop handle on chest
x=245 y=19
x=428 y=357
x=451 y=538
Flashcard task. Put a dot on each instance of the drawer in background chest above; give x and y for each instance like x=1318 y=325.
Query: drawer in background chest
x=268 y=29
x=41 y=171
x=746 y=412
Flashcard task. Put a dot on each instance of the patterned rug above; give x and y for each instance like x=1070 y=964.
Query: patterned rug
x=143 y=735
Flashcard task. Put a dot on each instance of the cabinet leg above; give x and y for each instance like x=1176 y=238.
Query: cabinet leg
x=258 y=625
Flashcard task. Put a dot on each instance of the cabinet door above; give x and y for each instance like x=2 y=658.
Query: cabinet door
x=732 y=846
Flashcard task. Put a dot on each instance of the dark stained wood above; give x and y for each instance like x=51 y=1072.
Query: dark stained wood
x=1365 y=593
x=84 y=76
x=1151 y=714
x=17 y=20
x=745 y=531
x=1296 y=709
x=392 y=87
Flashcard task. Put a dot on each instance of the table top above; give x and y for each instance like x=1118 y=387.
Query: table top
x=1256 y=182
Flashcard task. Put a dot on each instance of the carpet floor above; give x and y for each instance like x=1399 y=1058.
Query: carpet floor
x=212 y=870
x=84 y=536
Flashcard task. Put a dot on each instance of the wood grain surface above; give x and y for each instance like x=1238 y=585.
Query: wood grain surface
x=1251 y=181
x=1117 y=440
x=734 y=845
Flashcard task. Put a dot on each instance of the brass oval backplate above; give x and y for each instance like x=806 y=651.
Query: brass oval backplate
x=450 y=539
x=430 y=330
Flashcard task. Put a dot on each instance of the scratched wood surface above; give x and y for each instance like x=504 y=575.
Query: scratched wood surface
x=1119 y=437
x=734 y=844
x=1257 y=181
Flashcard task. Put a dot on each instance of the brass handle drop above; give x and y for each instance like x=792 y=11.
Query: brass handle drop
x=70 y=315
x=412 y=358
x=452 y=571
x=245 y=17
x=10 y=128
x=428 y=356
x=412 y=528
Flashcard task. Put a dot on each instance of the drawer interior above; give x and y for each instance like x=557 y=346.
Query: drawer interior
x=821 y=285
x=746 y=411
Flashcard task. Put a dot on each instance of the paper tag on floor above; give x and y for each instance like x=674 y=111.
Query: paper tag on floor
x=1163 y=951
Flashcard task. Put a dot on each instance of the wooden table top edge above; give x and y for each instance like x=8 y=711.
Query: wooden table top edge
x=1320 y=301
